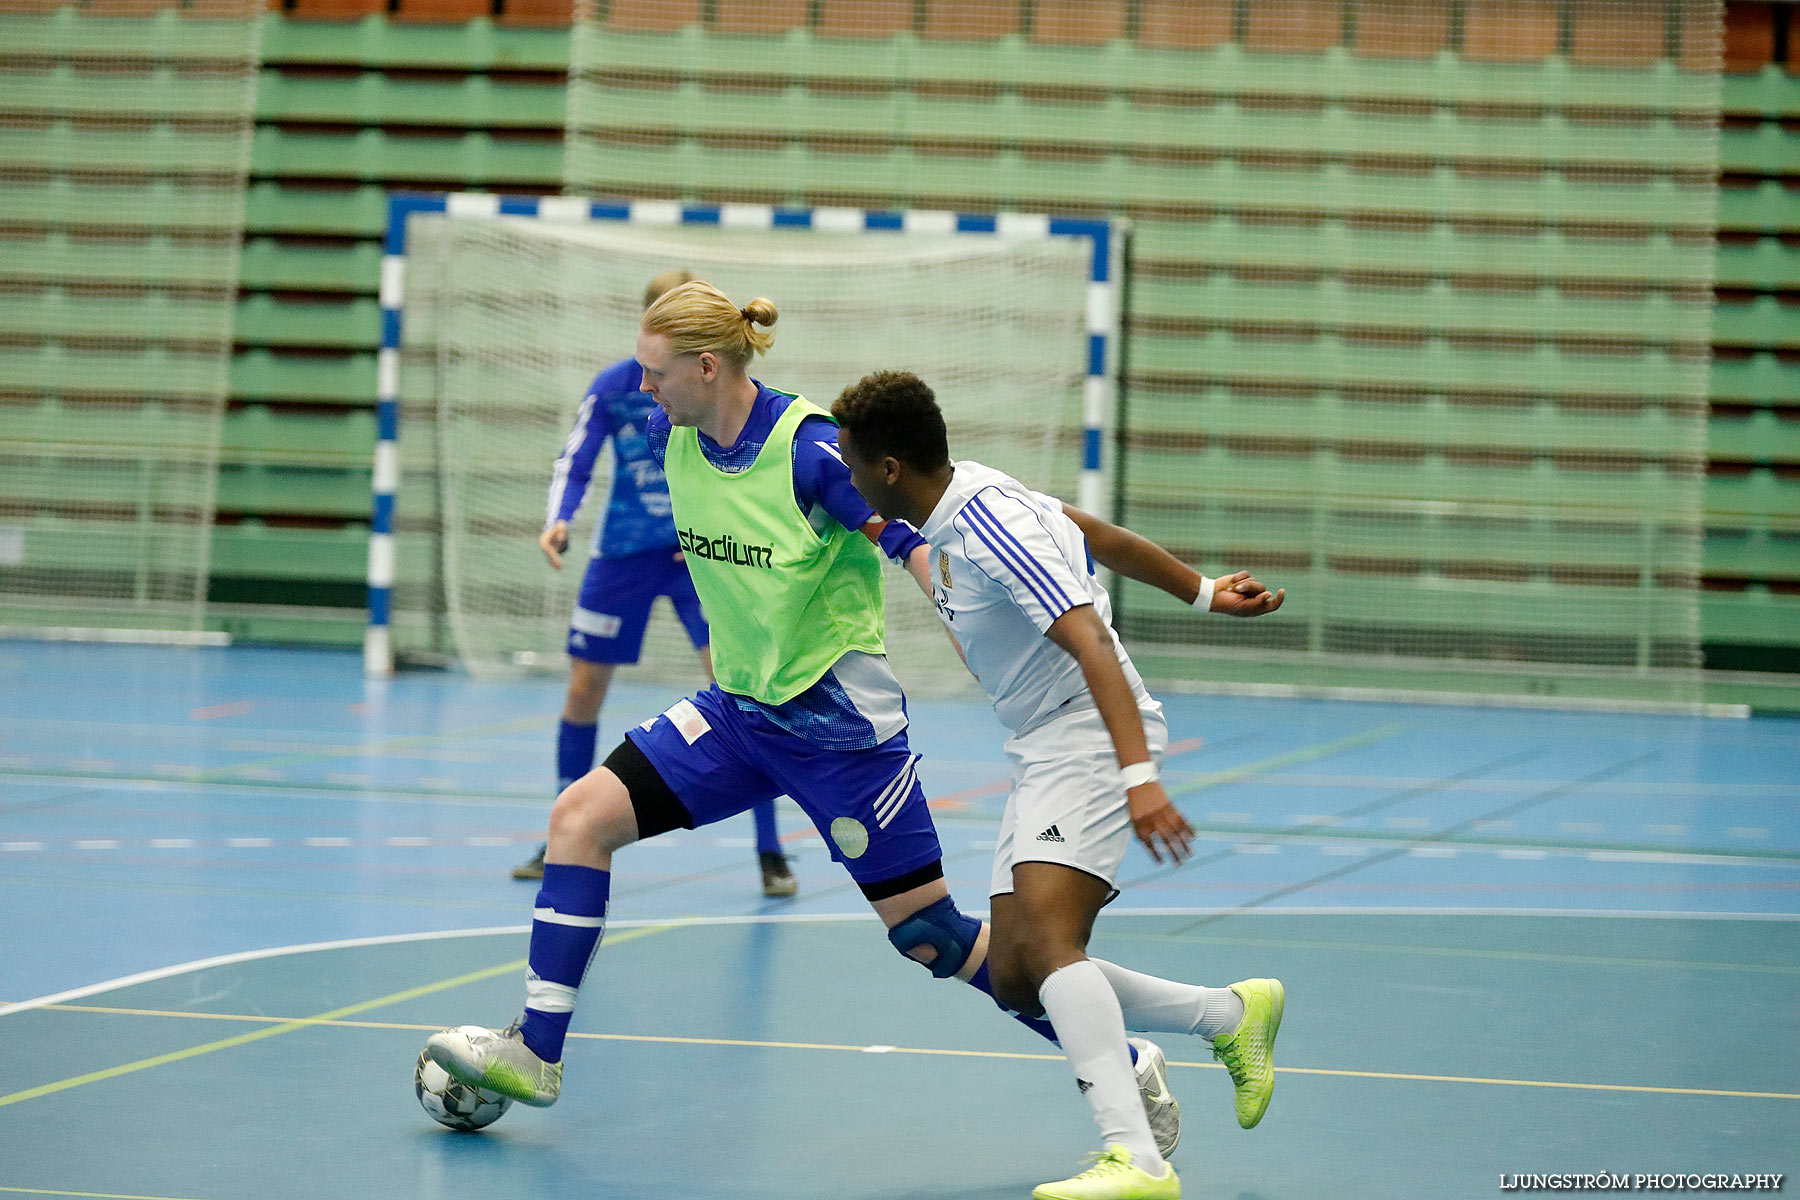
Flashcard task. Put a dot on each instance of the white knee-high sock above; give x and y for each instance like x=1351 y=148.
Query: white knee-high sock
x=1091 y=1027
x=1154 y=1005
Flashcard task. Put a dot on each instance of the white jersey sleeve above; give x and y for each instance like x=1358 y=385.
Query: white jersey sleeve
x=1008 y=539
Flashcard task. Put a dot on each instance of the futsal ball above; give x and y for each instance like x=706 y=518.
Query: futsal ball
x=452 y=1103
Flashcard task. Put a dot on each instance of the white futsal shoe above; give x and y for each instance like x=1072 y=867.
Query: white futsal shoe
x=498 y=1060
x=1159 y=1102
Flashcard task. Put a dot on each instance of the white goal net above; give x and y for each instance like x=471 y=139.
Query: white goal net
x=507 y=319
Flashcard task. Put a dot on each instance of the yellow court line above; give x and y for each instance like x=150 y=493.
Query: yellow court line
x=1263 y=766
x=289 y=1025
x=666 y=1040
x=1592 y=960
x=97 y=1195
x=1529 y=1083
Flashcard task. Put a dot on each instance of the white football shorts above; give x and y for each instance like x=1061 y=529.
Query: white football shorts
x=1068 y=801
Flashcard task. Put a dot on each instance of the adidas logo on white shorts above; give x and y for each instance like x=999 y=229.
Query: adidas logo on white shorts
x=1052 y=834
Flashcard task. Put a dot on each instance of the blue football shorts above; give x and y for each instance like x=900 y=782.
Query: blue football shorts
x=720 y=760
x=614 y=606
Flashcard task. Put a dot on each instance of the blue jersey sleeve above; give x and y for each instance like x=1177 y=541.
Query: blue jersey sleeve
x=822 y=480
x=575 y=465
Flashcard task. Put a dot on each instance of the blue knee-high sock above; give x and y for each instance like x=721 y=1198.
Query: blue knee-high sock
x=1037 y=1025
x=565 y=932
x=768 y=838
x=574 y=752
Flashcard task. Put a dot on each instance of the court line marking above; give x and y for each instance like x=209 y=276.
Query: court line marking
x=226 y=960
x=388 y=939
x=938 y=1052
x=290 y=1025
x=1586 y=960
x=97 y=1195
x=255 y=1035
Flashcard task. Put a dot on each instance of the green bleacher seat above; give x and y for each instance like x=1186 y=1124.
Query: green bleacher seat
x=260 y=434
x=149 y=315
x=292 y=377
x=279 y=265
x=1767 y=92
x=252 y=488
x=1757 y=436
x=150 y=205
x=254 y=549
x=372 y=98
x=1753 y=551
x=1225 y=240
x=1758 y=492
x=1754 y=616
x=1437 y=365
x=1764 y=322
x=1761 y=378
x=1766 y=148
x=1223 y=299
x=1768 y=206
x=65 y=89
x=263 y=320
x=55 y=254
x=477 y=158
x=1763 y=263
x=292 y=206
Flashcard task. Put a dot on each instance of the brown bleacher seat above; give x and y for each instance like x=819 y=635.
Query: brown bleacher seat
x=441 y=12
x=227 y=9
x=1702 y=40
x=1516 y=31
x=1290 y=25
x=1608 y=33
x=1749 y=36
x=653 y=15
x=336 y=10
x=1402 y=28
x=547 y=14
x=550 y=13
x=864 y=18
x=1185 y=24
x=125 y=8
x=971 y=20
x=1078 y=22
x=759 y=16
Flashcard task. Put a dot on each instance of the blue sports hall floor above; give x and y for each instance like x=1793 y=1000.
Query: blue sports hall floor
x=239 y=886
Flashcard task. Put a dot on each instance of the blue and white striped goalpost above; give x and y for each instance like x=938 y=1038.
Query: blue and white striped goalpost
x=1101 y=324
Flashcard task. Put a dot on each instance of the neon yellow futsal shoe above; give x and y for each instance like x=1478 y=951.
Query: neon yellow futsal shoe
x=498 y=1060
x=1248 y=1051
x=1112 y=1177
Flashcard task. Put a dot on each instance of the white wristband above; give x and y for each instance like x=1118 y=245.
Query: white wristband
x=1205 y=594
x=1139 y=773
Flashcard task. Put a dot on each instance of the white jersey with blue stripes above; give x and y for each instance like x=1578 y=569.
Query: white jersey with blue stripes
x=1006 y=563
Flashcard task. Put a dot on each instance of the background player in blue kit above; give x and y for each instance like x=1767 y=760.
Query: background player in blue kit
x=636 y=558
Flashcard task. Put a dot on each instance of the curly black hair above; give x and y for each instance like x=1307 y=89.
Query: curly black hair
x=894 y=414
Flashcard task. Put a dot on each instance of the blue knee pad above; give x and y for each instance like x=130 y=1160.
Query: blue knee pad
x=945 y=929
